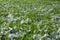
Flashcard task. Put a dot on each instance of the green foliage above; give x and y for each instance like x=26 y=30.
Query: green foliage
x=30 y=19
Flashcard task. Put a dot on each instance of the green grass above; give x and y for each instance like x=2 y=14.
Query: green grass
x=31 y=19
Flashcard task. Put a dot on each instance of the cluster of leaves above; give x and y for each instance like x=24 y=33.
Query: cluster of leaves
x=29 y=20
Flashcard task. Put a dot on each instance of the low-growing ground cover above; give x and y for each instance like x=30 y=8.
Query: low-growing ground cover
x=29 y=20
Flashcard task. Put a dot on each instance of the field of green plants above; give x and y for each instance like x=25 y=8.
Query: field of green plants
x=29 y=19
